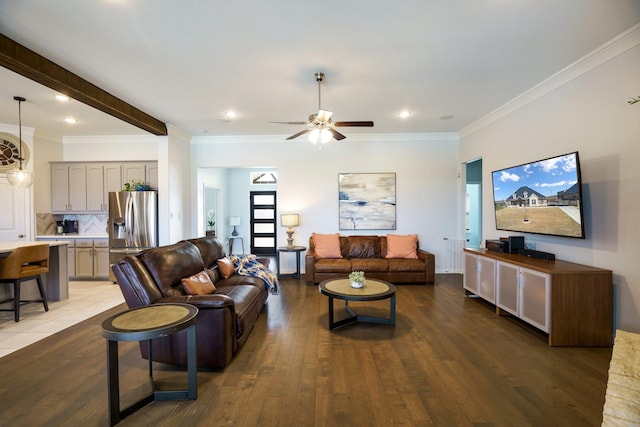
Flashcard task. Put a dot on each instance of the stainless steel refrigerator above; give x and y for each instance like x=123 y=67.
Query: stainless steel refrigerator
x=133 y=223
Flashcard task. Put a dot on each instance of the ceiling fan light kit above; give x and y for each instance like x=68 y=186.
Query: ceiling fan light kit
x=320 y=126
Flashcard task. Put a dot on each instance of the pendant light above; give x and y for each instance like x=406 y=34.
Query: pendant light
x=20 y=178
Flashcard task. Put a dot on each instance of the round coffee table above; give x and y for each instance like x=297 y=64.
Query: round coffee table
x=373 y=290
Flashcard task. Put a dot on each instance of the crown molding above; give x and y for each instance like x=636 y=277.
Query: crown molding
x=605 y=53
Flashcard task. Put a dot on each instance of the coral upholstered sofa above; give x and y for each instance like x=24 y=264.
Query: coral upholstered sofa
x=396 y=259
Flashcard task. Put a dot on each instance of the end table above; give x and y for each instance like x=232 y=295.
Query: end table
x=146 y=323
x=297 y=249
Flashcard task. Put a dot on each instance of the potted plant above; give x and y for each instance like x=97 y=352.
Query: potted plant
x=357 y=279
x=211 y=223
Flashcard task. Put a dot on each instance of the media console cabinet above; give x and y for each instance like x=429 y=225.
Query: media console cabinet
x=572 y=303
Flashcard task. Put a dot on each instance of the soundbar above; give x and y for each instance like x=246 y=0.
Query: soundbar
x=537 y=254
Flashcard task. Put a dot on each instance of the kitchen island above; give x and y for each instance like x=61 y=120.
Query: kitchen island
x=56 y=281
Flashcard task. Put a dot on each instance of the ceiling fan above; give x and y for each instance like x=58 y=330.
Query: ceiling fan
x=320 y=124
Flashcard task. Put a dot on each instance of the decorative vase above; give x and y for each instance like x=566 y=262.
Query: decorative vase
x=357 y=285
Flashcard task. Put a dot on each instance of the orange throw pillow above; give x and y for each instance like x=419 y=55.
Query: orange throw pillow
x=226 y=267
x=198 y=284
x=402 y=246
x=327 y=245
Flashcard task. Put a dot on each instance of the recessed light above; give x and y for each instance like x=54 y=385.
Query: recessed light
x=230 y=115
x=70 y=120
x=62 y=98
x=405 y=114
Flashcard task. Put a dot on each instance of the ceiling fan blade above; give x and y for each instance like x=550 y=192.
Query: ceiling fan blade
x=289 y=123
x=302 y=132
x=323 y=116
x=366 y=124
x=337 y=135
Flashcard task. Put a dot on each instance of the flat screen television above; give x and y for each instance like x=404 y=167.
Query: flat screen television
x=541 y=197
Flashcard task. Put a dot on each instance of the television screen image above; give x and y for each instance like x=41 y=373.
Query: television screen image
x=542 y=197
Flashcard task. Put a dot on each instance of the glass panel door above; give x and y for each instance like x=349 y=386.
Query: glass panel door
x=263 y=222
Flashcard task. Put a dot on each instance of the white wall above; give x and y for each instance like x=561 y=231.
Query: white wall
x=177 y=182
x=582 y=108
x=426 y=168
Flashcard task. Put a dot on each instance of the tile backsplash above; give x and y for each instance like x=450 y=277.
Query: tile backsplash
x=87 y=224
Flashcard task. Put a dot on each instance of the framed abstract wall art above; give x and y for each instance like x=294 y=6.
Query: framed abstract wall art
x=367 y=201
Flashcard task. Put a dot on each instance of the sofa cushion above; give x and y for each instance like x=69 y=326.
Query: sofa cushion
x=369 y=265
x=326 y=245
x=169 y=264
x=247 y=303
x=402 y=246
x=333 y=265
x=226 y=267
x=198 y=284
x=363 y=247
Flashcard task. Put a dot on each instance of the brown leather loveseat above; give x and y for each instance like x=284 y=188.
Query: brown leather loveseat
x=225 y=317
x=369 y=254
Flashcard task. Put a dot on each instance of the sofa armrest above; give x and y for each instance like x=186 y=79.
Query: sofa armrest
x=310 y=266
x=430 y=261
x=201 y=301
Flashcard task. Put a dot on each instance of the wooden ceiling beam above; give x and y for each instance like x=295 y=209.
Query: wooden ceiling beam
x=31 y=65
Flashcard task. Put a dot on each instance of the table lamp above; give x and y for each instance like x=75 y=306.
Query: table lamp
x=289 y=220
x=235 y=221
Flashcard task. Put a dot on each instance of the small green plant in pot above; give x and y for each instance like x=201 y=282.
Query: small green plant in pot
x=357 y=279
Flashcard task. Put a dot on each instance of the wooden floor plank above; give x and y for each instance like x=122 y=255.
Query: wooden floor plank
x=449 y=361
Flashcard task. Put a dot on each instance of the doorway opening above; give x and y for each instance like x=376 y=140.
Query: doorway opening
x=473 y=203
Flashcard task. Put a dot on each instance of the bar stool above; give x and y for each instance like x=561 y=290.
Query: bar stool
x=24 y=264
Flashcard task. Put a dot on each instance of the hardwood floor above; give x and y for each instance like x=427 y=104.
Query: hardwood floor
x=449 y=361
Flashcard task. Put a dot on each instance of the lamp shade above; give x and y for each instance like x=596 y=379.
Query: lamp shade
x=289 y=220
x=234 y=220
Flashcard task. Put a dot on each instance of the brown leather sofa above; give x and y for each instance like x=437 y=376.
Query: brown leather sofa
x=225 y=317
x=367 y=253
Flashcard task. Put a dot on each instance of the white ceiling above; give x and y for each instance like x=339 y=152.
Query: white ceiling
x=186 y=62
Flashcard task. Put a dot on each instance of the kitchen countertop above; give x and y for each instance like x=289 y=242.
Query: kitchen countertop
x=11 y=246
x=70 y=236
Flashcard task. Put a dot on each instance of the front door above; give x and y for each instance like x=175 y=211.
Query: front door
x=263 y=222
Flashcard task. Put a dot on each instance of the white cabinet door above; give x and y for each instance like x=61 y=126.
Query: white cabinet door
x=84 y=262
x=77 y=188
x=112 y=180
x=101 y=262
x=59 y=188
x=507 y=287
x=535 y=298
x=133 y=171
x=95 y=188
x=152 y=175
x=487 y=279
x=470 y=277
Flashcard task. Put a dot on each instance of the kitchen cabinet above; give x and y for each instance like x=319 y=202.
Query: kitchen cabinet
x=144 y=172
x=101 y=179
x=572 y=303
x=92 y=258
x=68 y=188
x=84 y=187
